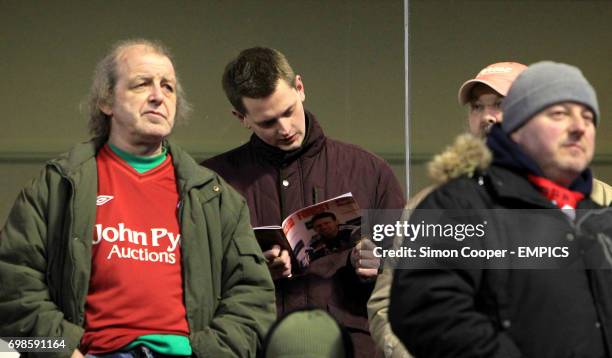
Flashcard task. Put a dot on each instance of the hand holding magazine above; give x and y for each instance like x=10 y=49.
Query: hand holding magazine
x=315 y=231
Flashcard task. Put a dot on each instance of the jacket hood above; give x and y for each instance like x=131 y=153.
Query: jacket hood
x=465 y=156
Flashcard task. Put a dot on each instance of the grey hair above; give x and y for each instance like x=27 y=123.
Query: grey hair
x=105 y=78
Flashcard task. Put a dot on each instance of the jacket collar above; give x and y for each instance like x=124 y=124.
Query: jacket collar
x=70 y=162
x=507 y=154
x=188 y=173
x=509 y=184
x=312 y=144
x=469 y=156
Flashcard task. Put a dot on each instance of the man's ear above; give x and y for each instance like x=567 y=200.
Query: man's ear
x=241 y=118
x=105 y=108
x=299 y=86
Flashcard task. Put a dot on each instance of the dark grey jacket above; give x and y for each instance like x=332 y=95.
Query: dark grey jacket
x=517 y=312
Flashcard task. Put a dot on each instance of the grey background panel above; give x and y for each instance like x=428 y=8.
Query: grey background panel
x=349 y=54
x=451 y=40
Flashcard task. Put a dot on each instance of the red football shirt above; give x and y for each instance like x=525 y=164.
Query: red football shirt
x=136 y=285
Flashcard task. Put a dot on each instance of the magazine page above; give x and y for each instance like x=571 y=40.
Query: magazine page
x=323 y=228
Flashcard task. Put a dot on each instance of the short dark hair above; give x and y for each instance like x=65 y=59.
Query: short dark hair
x=325 y=214
x=255 y=74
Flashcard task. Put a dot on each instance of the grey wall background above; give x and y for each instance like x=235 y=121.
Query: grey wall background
x=452 y=40
x=349 y=52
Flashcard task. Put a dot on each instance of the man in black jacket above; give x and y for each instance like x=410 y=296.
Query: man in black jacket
x=541 y=153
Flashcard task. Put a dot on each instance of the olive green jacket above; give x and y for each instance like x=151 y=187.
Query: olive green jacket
x=45 y=258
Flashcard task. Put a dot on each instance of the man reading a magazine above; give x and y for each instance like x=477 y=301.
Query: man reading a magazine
x=288 y=164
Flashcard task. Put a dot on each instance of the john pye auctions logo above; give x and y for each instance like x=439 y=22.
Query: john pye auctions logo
x=156 y=237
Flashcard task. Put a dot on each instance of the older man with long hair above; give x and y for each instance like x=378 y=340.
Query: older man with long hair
x=124 y=246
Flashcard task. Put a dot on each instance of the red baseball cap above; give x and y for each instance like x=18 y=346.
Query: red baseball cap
x=499 y=76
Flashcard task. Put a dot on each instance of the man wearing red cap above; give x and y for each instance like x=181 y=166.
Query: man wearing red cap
x=483 y=94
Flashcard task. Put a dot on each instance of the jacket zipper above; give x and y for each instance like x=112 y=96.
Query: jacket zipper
x=179 y=216
x=74 y=315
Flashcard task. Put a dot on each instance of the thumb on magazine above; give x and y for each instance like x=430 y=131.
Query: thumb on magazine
x=364 y=261
x=272 y=253
x=365 y=244
x=279 y=262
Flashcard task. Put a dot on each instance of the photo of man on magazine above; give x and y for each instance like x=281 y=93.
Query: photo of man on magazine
x=331 y=235
x=315 y=231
